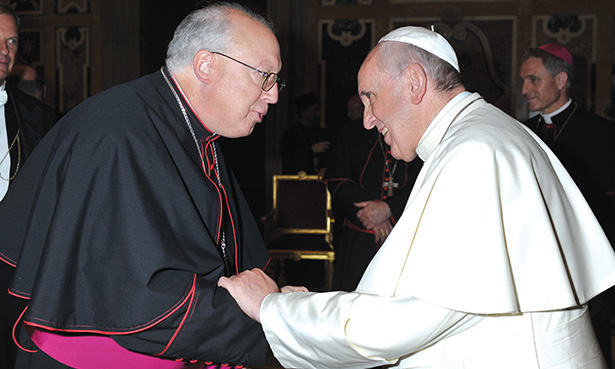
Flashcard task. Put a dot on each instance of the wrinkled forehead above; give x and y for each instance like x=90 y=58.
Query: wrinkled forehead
x=8 y=22
x=370 y=68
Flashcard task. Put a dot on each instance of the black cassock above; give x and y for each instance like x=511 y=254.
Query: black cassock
x=585 y=144
x=115 y=225
x=356 y=172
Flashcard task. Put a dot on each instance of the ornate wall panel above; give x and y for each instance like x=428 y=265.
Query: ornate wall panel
x=484 y=47
x=72 y=65
x=31 y=47
x=73 y=6
x=577 y=33
x=27 y=6
x=56 y=38
x=344 y=43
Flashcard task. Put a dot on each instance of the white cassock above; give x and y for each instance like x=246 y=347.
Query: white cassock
x=490 y=265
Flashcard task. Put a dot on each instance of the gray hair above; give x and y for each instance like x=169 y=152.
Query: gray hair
x=395 y=57
x=208 y=28
x=553 y=65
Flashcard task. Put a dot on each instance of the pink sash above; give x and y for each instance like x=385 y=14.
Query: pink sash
x=100 y=352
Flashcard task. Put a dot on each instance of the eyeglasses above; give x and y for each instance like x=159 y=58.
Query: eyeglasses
x=270 y=79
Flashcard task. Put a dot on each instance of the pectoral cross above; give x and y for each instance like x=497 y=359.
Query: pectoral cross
x=390 y=185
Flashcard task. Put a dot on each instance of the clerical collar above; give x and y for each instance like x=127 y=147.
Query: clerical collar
x=438 y=127
x=547 y=117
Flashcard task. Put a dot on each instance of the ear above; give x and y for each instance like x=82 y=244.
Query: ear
x=202 y=65
x=561 y=79
x=417 y=82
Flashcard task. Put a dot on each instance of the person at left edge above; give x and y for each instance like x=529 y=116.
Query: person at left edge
x=128 y=215
x=23 y=122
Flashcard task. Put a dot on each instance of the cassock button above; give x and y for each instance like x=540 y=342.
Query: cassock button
x=192 y=361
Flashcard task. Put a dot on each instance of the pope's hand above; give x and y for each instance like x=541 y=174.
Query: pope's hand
x=249 y=289
x=286 y=289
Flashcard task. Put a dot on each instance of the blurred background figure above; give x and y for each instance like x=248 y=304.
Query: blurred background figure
x=305 y=145
x=26 y=79
x=369 y=188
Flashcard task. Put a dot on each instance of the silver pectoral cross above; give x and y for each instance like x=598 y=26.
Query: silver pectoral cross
x=390 y=185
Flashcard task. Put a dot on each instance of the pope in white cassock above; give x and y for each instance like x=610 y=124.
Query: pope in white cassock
x=491 y=264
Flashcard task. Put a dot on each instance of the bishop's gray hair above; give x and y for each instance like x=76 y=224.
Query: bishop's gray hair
x=208 y=28
x=395 y=57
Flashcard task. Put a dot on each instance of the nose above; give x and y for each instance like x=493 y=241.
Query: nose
x=525 y=89
x=4 y=48
x=271 y=96
x=369 y=120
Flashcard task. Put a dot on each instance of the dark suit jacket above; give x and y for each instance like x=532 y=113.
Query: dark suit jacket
x=31 y=117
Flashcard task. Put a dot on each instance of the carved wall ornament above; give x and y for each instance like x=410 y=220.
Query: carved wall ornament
x=563 y=28
x=27 y=6
x=73 y=6
x=73 y=65
x=346 y=31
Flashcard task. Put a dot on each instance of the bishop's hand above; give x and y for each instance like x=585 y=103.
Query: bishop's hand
x=249 y=289
x=373 y=213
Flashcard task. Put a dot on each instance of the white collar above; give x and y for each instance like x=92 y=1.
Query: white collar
x=547 y=117
x=439 y=125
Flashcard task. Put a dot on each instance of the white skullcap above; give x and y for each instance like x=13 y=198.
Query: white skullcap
x=427 y=40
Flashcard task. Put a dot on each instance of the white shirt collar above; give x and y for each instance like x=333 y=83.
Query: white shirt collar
x=547 y=117
x=437 y=128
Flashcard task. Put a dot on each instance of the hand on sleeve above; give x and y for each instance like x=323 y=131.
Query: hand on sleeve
x=249 y=289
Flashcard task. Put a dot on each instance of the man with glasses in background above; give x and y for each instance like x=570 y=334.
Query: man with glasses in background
x=128 y=215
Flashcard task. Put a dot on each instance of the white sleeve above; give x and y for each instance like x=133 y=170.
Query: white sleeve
x=353 y=330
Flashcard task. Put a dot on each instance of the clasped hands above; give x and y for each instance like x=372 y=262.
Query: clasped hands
x=249 y=288
x=374 y=215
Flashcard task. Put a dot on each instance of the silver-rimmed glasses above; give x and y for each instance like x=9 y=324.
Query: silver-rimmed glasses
x=270 y=79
